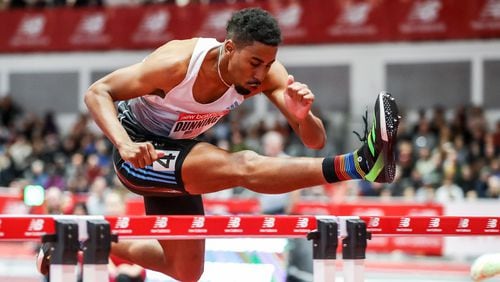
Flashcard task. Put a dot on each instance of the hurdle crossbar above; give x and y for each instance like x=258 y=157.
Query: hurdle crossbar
x=32 y=227
x=354 y=232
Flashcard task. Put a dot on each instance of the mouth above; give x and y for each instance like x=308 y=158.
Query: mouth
x=254 y=85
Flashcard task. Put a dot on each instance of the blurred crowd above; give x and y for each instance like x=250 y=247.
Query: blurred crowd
x=446 y=155
x=38 y=4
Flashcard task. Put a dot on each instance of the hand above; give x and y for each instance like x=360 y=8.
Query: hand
x=298 y=98
x=139 y=154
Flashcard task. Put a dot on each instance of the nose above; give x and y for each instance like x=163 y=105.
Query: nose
x=260 y=74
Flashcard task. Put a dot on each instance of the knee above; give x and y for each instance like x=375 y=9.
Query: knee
x=245 y=164
x=188 y=270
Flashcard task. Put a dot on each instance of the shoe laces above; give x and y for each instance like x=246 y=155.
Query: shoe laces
x=365 y=135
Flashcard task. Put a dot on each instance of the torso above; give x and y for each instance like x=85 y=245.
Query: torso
x=191 y=107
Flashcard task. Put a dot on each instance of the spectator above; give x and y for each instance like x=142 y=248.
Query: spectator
x=273 y=146
x=53 y=202
x=449 y=191
x=9 y=111
x=98 y=193
x=80 y=208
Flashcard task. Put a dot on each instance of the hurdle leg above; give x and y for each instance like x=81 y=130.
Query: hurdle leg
x=325 y=241
x=63 y=260
x=354 y=250
x=96 y=251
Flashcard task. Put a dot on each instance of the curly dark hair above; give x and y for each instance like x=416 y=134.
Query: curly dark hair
x=253 y=24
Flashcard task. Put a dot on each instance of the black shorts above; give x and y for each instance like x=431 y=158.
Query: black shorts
x=160 y=183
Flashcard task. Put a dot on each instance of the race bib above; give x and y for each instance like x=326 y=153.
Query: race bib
x=190 y=126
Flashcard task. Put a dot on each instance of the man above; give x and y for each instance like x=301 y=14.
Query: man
x=182 y=89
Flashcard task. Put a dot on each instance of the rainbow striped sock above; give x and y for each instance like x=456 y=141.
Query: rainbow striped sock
x=342 y=167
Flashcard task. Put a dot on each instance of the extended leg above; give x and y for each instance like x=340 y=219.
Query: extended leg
x=208 y=169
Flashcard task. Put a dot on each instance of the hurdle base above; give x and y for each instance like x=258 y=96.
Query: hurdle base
x=63 y=272
x=354 y=270
x=324 y=270
x=95 y=272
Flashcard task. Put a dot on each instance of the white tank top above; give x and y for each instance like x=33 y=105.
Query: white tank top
x=178 y=115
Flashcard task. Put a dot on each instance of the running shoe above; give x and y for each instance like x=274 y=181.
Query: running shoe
x=43 y=258
x=486 y=266
x=379 y=147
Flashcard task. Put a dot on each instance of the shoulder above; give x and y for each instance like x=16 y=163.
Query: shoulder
x=170 y=61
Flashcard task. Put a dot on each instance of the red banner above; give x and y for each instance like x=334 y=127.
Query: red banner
x=302 y=22
x=28 y=30
x=482 y=18
x=425 y=19
x=355 y=21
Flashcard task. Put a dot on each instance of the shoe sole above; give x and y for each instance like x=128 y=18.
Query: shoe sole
x=389 y=115
x=42 y=262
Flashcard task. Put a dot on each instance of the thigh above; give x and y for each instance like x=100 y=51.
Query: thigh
x=208 y=169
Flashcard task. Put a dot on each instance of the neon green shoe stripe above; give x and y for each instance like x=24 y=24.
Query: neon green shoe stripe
x=370 y=143
x=376 y=169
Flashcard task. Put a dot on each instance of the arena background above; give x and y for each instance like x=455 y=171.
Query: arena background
x=439 y=58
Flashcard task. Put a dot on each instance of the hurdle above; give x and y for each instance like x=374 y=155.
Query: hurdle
x=98 y=232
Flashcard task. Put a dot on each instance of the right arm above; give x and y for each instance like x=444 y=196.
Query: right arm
x=162 y=70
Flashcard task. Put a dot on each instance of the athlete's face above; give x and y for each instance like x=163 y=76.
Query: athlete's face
x=249 y=65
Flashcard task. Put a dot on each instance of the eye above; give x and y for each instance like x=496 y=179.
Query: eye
x=254 y=64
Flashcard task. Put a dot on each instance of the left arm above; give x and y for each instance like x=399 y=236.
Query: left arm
x=294 y=100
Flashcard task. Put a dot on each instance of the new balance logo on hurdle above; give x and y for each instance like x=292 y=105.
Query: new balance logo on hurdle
x=434 y=222
x=122 y=223
x=302 y=222
x=268 y=222
x=160 y=222
x=234 y=222
x=36 y=224
x=404 y=222
x=492 y=223
x=198 y=222
x=463 y=223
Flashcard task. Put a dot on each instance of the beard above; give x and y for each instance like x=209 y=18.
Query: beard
x=242 y=90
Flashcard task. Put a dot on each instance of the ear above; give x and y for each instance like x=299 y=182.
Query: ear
x=229 y=46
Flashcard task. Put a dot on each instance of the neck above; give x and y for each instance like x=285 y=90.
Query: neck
x=219 y=58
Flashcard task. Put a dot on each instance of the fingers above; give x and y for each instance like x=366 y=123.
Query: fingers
x=300 y=92
x=290 y=80
x=141 y=154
